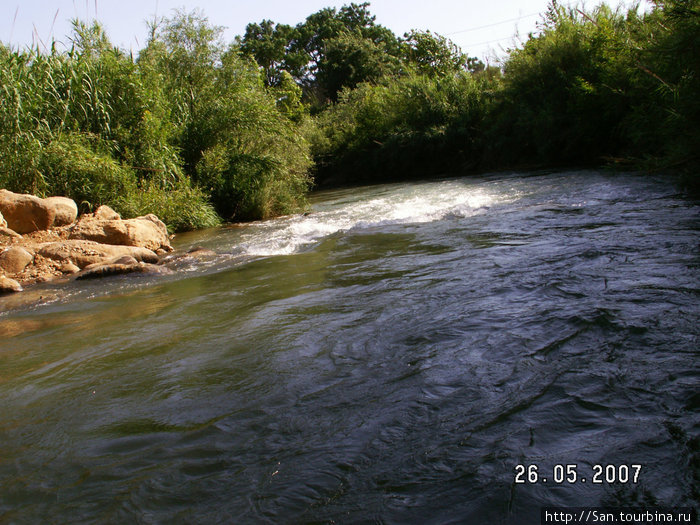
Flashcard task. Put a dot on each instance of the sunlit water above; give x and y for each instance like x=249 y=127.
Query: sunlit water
x=389 y=357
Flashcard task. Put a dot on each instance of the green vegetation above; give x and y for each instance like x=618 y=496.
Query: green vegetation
x=199 y=131
x=601 y=87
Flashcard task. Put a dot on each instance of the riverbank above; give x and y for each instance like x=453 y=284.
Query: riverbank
x=44 y=240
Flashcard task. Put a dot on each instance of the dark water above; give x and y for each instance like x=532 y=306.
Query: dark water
x=389 y=358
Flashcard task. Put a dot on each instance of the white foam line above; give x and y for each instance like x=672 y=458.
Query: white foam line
x=425 y=203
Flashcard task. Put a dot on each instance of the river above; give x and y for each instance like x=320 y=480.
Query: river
x=390 y=357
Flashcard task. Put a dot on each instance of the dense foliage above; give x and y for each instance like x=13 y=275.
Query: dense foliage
x=596 y=87
x=197 y=130
x=187 y=131
x=605 y=84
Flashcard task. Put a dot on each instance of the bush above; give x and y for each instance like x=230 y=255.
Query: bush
x=414 y=126
x=75 y=168
x=181 y=207
x=239 y=142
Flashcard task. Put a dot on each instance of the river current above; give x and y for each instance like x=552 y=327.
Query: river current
x=392 y=356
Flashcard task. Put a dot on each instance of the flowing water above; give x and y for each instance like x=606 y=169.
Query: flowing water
x=390 y=357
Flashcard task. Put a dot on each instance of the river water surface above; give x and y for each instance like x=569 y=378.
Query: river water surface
x=391 y=357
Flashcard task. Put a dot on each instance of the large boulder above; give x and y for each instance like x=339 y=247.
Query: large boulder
x=27 y=213
x=15 y=259
x=83 y=253
x=145 y=232
x=66 y=211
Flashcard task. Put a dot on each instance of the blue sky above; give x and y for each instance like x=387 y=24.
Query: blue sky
x=482 y=28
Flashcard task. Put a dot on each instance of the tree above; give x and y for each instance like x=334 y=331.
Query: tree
x=432 y=54
x=351 y=59
x=304 y=50
x=270 y=45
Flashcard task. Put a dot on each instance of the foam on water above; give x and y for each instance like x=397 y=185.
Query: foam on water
x=430 y=202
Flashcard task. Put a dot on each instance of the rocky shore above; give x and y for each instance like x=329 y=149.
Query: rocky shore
x=44 y=240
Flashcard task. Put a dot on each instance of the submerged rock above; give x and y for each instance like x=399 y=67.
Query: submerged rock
x=16 y=301
x=198 y=253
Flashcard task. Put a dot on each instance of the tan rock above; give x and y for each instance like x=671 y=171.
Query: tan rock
x=106 y=213
x=146 y=232
x=3 y=222
x=121 y=259
x=124 y=259
x=7 y=232
x=83 y=253
x=27 y=213
x=69 y=268
x=8 y=285
x=199 y=252
x=24 y=213
x=95 y=271
x=15 y=259
x=66 y=211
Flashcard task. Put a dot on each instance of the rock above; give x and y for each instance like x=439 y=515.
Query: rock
x=198 y=252
x=24 y=213
x=146 y=232
x=154 y=269
x=83 y=253
x=95 y=271
x=69 y=267
x=124 y=259
x=8 y=285
x=15 y=259
x=27 y=213
x=66 y=211
x=7 y=232
x=106 y=213
x=120 y=259
x=3 y=222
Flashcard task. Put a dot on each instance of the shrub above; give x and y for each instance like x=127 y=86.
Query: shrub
x=75 y=168
x=181 y=207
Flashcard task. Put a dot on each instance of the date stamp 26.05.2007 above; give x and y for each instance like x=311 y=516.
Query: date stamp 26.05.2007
x=573 y=473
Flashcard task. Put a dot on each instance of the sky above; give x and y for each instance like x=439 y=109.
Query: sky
x=482 y=28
